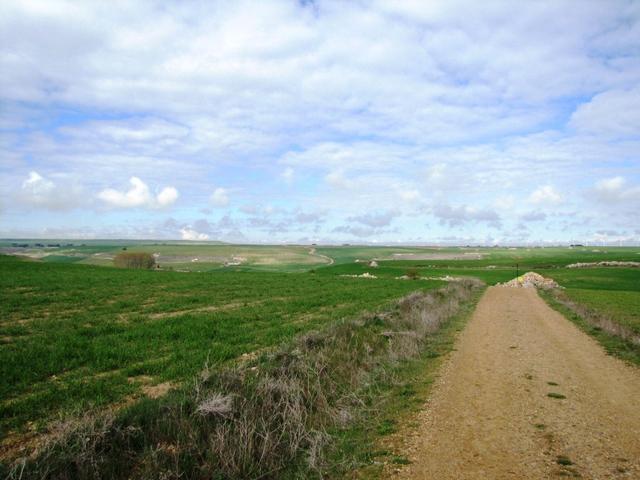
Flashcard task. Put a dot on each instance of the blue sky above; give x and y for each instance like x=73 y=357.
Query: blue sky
x=326 y=121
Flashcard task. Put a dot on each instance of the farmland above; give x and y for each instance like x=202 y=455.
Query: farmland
x=77 y=335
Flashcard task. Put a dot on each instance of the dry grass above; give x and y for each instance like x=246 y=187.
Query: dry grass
x=260 y=419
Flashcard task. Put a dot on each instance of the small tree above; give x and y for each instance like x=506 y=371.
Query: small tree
x=134 y=260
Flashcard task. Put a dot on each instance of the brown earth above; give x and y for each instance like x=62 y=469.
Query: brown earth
x=490 y=416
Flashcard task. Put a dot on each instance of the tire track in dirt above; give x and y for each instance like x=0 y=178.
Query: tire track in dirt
x=490 y=416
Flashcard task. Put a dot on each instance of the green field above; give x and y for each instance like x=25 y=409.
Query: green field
x=76 y=336
x=178 y=255
x=613 y=291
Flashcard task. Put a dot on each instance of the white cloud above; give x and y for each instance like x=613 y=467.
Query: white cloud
x=138 y=196
x=613 y=113
x=287 y=175
x=410 y=195
x=40 y=192
x=545 y=195
x=191 y=234
x=437 y=111
x=338 y=179
x=167 y=196
x=616 y=190
x=37 y=186
x=220 y=197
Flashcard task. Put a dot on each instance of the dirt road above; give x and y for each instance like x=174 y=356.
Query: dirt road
x=490 y=416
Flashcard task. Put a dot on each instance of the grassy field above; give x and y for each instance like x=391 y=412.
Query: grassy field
x=612 y=291
x=77 y=336
x=179 y=255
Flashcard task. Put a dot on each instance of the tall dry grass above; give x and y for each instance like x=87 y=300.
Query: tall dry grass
x=263 y=418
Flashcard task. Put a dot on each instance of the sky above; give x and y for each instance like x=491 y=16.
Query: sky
x=440 y=122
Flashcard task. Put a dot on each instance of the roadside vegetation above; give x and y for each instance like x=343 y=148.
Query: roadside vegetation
x=616 y=338
x=604 y=302
x=373 y=443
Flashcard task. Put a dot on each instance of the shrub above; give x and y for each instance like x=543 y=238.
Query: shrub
x=413 y=273
x=134 y=260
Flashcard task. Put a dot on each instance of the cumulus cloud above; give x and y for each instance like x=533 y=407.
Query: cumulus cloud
x=37 y=187
x=40 y=192
x=191 y=234
x=167 y=196
x=138 y=196
x=220 y=197
x=545 y=195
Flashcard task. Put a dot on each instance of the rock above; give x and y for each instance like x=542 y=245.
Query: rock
x=604 y=264
x=531 y=280
x=364 y=275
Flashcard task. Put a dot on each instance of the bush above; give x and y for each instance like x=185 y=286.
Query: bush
x=134 y=260
x=413 y=273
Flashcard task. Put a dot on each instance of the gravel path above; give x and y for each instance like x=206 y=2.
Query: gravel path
x=490 y=416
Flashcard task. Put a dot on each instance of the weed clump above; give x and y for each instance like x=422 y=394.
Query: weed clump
x=556 y=395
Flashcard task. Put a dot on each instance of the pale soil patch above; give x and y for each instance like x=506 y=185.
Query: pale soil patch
x=328 y=259
x=491 y=416
x=191 y=258
x=157 y=391
x=437 y=256
x=209 y=308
